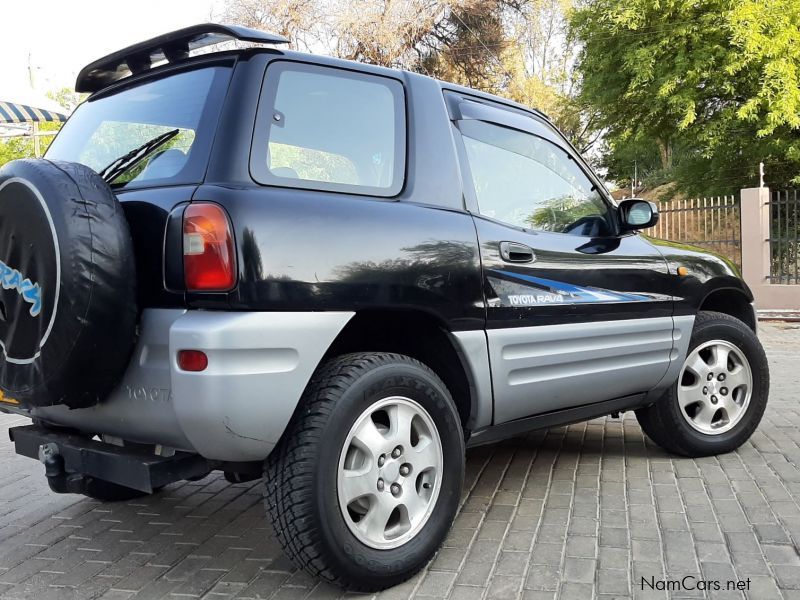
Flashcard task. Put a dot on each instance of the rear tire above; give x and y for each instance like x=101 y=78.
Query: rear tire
x=307 y=476
x=733 y=394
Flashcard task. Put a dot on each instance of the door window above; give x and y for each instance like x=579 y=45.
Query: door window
x=524 y=180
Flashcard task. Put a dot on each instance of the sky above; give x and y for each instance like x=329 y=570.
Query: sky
x=62 y=37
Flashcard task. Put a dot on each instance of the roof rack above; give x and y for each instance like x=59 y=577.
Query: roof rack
x=172 y=47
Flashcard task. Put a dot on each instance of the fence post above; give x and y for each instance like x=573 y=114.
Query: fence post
x=754 y=217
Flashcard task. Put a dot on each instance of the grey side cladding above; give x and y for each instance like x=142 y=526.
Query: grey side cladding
x=140 y=409
x=681 y=337
x=259 y=365
x=474 y=350
x=552 y=367
x=237 y=408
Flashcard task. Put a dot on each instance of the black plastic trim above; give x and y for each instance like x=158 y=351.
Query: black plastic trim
x=567 y=416
x=174 y=280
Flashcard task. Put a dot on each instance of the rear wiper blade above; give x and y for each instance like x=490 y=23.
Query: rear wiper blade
x=132 y=158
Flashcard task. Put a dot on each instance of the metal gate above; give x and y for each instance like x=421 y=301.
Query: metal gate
x=783 y=237
x=711 y=223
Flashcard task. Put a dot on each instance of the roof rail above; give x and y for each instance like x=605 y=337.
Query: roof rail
x=172 y=47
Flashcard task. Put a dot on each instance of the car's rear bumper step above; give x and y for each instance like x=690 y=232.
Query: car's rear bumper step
x=70 y=458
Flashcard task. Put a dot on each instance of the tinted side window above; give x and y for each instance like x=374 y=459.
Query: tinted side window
x=527 y=181
x=330 y=129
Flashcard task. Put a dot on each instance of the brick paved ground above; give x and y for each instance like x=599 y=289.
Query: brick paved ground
x=579 y=512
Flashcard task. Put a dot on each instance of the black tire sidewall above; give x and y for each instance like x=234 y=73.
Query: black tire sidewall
x=696 y=443
x=347 y=554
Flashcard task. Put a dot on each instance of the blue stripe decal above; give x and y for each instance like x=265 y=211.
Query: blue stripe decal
x=578 y=293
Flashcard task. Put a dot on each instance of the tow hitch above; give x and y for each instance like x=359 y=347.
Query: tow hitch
x=71 y=461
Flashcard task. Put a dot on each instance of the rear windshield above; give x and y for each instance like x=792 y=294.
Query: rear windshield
x=108 y=126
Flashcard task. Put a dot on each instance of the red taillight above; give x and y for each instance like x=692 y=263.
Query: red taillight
x=192 y=360
x=209 y=262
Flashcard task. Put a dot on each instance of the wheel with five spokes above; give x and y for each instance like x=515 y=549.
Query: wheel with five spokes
x=365 y=482
x=390 y=472
x=720 y=395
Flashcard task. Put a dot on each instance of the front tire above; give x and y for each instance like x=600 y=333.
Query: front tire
x=721 y=392
x=364 y=417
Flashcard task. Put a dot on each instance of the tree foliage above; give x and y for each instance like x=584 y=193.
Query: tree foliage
x=23 y=147
x=515 y=48
x=711 y=85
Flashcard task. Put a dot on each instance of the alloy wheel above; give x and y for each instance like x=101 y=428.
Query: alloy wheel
x=390 y=472
x=715 y=387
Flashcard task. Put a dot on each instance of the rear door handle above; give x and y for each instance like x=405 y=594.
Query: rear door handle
x=516 y=253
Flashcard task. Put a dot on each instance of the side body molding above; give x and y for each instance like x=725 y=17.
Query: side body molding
x=553 y=367
x=681 y=336
x=474 y=350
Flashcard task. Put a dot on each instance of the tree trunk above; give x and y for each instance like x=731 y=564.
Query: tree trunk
x=665 y=150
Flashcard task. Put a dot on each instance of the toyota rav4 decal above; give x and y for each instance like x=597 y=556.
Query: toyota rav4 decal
x=518 y=292
x=12 y=279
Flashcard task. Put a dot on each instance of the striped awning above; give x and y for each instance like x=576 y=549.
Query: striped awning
x=13 y=112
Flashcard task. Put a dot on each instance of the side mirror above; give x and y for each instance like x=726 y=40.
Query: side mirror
x=636 y=213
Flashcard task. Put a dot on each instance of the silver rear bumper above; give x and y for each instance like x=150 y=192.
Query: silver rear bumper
x=236 y=410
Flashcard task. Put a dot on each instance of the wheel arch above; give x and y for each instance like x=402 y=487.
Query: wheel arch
x=731 y=301
x=424 y=337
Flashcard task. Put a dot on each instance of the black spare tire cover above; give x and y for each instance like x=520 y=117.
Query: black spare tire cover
x=67 y=285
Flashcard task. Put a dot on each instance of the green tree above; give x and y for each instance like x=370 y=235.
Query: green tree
x=23 y=147
x=13 y=148
x=715 y=81
x=515 y=48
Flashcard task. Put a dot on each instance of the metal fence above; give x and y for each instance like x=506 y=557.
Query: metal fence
x=711 y=223
x=783 y=237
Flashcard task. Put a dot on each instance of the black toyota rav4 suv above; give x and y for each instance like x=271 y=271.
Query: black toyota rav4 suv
x=336 y=276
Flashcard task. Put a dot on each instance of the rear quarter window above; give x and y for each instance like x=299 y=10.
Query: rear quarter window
x=330 y=129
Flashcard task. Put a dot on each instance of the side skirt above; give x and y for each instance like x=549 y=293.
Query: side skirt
x=566 y=416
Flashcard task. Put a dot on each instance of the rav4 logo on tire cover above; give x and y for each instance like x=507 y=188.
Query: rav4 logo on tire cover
x=12 y=279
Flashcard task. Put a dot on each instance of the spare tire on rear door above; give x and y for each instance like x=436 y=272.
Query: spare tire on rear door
x=67 y=285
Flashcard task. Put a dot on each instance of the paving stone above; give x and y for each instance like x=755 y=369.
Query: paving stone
x=543 y=577
x=581 y=546
x=788 y=577
x=537 y=595
x=467 y=592
x=613 y=581
x=504 y=587
x=436 y=584
x=588 y=510
x=576 y=591
x=580 y=570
